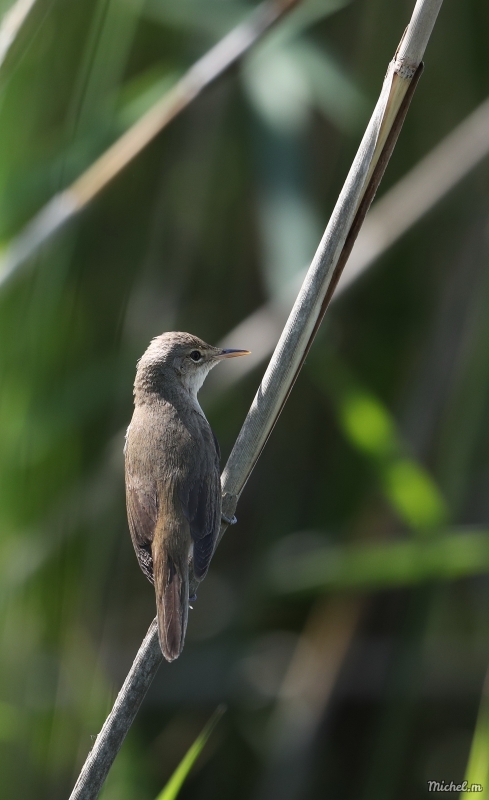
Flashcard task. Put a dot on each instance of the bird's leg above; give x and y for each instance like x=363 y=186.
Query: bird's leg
x=229 y=502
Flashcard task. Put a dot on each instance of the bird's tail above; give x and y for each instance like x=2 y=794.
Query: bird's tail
x=171 y=585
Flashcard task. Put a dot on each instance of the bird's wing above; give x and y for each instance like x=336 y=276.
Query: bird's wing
x=201 y=501
x=142 y=513
x=216 y=445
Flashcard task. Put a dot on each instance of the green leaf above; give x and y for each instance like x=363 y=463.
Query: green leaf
x=172 y=788
x=414 y=494
x=367 y=424
x=371 y=429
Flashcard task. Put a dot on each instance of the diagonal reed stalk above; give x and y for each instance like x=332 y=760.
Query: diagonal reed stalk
x=332 y=254
x=359 y=189
x=64 y=205
x=11 y=23
x=399 y=209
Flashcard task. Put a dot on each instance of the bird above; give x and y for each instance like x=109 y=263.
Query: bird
x=172 y=475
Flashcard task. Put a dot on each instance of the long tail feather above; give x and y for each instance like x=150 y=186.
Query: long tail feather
x=171 y=584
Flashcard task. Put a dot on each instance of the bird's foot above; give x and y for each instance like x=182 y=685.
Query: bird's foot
x=193 y=598
x=229 y=520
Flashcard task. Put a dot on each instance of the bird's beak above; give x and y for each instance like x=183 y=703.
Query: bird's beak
x=233 y=353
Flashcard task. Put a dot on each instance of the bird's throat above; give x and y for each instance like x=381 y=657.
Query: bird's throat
x=193 y=381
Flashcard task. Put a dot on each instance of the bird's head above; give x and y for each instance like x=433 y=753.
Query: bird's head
x=179 y=356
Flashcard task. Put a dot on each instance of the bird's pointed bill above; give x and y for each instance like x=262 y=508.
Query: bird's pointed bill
x=233 y=353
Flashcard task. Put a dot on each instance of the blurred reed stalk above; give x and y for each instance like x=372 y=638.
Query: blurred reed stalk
x=455 y=554
x=11 y=24
x=323 y=275
x=65 y=204
x=306 y=692
x=401 y=207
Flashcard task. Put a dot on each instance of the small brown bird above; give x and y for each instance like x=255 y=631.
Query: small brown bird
x=173 y=489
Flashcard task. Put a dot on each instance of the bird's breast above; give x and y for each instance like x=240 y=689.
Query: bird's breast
x=164 y=441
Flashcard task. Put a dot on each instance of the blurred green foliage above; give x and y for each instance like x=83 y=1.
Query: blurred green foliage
x=383 y=443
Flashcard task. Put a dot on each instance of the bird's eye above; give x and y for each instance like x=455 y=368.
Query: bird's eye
x=195 y=355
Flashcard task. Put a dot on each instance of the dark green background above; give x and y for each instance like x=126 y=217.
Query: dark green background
x=385 y=437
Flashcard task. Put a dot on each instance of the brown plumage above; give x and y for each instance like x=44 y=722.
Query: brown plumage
x=173 y=488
